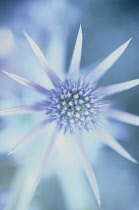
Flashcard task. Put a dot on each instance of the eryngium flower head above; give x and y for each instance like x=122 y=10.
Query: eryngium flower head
x=76 y=104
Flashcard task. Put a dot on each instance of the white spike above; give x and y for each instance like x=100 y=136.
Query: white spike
x=22 y=109
x=51 y=74
x=116 y=88
x=110 y=141
x=99 y=70
x=47 y=153
x=76 y=57
x=34 y=132
x=27 y=83
x=89 y=171
x=124 y=117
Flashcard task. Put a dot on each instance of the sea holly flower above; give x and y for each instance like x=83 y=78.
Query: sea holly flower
x=76 y=105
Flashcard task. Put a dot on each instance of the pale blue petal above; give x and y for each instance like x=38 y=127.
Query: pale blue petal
x=110 y=141
x=34 y=132
x=76 y=57
x=27 y=109
x=89 y=171
x=124 y=117
x=50 y=73
x=47 y=153
x=27 y=83
x=117 y=88
x=98 y=72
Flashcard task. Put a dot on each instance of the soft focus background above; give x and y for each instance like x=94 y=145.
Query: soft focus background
x=54 y=24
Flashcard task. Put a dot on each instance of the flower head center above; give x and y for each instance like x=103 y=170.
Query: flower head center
x=75 y=105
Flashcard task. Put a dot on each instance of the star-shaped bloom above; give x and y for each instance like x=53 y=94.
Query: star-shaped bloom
x=76 y=105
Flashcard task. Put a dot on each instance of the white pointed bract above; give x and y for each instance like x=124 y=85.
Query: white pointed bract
x=75 y=104
x=47 y=153
x=27 y=83
x=23 y=109
x=32 y=134
x=99 y=70
x=124 y=117
x=51 y=74
x=89 y=171
x=76 y=57
x=117 y=88
x=110 y=141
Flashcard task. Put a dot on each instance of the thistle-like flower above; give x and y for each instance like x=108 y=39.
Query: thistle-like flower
x=75 y=105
